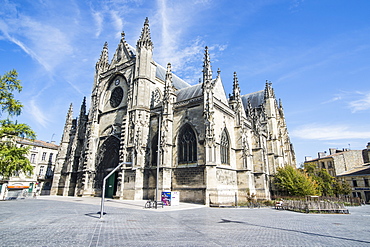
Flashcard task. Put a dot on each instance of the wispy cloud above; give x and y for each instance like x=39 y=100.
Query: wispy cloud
x=360 y=104
x=175 y=20
x=75 y=88
x=334 y=99
x=328 y=132
x=45 y=44
x=354 y=100
x=38 y=115
x=27 y=50
x=117 y=22
x=99 y=19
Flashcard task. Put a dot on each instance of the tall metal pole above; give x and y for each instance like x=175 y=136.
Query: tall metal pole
x=104 y=181
x=158 y=158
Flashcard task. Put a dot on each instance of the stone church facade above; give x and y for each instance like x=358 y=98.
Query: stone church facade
x=209 y=147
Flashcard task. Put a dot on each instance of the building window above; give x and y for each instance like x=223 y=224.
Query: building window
x=41 y=170
x=330 y=164
x=43 y=156
x=51 y=158
x=322 y=165
x=354 y=182
x=224 y=148
x=187 y=145
x=366 y=182
x=33 y=157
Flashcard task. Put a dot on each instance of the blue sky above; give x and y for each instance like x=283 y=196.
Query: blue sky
x=316 y=53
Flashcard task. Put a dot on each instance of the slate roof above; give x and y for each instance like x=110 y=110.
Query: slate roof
x=189 y=92
x=178 y=83
x=256 y=98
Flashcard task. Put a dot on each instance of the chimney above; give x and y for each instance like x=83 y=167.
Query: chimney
x=307 y=158
x=321 y=154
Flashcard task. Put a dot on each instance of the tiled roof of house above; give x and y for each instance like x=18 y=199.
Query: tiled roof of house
x=38 y=143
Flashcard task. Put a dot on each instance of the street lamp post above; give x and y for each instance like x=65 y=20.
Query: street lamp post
x=104 y=181
x=158 y=158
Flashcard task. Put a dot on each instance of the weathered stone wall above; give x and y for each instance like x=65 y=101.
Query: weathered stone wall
x=190 y=182
x=347 y=160
x=129 y=185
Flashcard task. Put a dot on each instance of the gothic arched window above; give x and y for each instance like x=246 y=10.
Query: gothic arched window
x=187 y=146
x=225 y=148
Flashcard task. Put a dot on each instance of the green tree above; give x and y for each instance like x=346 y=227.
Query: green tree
x=12 y=158
x=295 y=182
x=327 y=184
x=341 y=187
x=8 y=84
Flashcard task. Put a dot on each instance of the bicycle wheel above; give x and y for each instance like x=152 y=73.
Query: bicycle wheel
x=148 y=204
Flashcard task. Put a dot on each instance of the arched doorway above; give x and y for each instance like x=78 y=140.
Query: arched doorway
x=108 y=159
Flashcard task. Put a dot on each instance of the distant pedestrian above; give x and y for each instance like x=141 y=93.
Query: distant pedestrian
x=34 y=195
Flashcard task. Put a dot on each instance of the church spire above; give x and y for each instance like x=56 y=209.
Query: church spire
x=103 y=62
x=207 y=70
x=145 y=40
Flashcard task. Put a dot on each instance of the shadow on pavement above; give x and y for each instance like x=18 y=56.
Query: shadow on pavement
x=290 y=230
x=93 y=215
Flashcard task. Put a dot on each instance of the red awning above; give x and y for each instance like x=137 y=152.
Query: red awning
x=18 y=187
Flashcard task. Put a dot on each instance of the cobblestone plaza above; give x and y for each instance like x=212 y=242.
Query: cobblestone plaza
x=72 y=221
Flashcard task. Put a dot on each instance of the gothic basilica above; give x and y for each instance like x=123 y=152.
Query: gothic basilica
x=193 y=139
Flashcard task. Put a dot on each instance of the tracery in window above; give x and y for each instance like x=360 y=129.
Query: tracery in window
x=187 y=146
x=225 y=148
x=116 y=97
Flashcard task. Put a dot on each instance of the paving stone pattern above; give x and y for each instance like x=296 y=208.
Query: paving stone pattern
x=68 y=222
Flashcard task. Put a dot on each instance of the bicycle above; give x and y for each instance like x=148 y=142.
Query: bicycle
x=151 y=204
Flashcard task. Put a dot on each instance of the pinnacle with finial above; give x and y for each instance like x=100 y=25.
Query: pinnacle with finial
x=103 y=60
x=145 y=40
x=70 y=114
x=168 y=75
x=268 y=90
x=83 y=107
x=236 y=89
x=207 y=70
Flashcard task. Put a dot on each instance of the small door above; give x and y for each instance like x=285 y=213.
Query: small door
x=30 y=188
x=367 y=196
x=110 y=186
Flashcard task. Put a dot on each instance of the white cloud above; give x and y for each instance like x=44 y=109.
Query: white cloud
x=98 y=18
x=329 y=132
x=360 y=104
x=75 y=88
x=45 y=44
x=37 y=113
x=185 y=55
x=335 y=98
x=117 y=22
